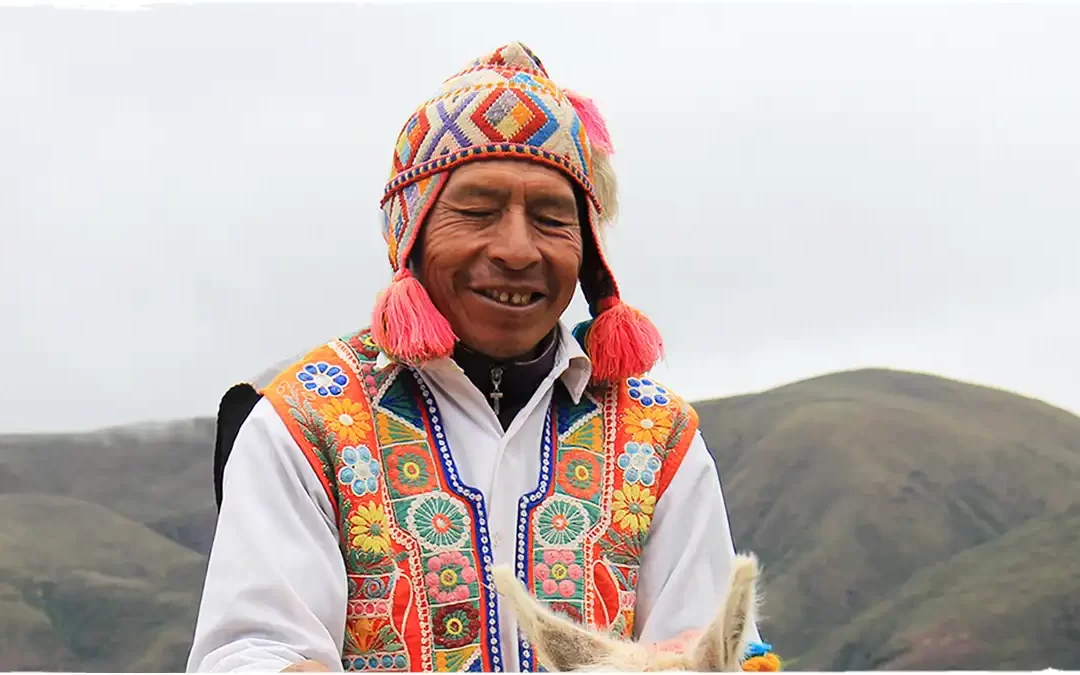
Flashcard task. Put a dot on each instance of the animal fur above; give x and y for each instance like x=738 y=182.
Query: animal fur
x=606 y=186
x=562 y=645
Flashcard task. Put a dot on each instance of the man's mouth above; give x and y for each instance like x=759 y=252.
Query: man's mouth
x=511 y=299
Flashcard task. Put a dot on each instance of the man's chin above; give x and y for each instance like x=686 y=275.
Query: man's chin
x=503 y=345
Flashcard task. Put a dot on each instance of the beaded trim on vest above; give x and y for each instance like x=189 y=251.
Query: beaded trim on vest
x=415 y=537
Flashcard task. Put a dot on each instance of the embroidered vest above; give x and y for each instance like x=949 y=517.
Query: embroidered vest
x=414 y=537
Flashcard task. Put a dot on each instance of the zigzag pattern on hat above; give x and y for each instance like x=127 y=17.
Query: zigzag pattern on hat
x=504 y=105
x=501 y=105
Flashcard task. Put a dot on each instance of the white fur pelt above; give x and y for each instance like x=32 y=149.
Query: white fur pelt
x=562 y=645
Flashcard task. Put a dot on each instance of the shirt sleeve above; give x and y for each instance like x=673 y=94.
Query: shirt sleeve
x=275 y=591
x=689 y=554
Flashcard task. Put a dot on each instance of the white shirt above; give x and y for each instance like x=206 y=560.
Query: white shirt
x=275 y=591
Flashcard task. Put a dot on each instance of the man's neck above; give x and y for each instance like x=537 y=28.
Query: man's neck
x=508 y=384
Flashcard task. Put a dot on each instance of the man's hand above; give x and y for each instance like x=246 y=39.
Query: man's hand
x=677 y=645
x=308 y=666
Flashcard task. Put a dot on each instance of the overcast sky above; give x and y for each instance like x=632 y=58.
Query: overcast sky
x=190 y=194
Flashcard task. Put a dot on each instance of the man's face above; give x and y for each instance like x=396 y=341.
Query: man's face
x=500 y=252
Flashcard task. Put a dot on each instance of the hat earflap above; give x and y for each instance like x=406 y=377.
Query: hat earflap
x=620 y=340
x=603 y=173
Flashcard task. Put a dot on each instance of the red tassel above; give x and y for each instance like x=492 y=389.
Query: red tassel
x=595 y=127
x=622 y=342
x=406 y=325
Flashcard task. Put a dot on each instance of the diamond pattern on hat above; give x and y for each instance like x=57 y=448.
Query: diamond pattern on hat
x=501 y=106
x=410 y=139
x=504 y=106
x=508 y=115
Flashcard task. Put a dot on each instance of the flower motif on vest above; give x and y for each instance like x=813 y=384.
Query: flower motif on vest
x=415 y=538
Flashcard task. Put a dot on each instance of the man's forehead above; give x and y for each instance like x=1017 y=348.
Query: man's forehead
x=498 y=177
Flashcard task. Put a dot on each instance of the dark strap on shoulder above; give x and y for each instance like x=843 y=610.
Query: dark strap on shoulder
x=236 y=405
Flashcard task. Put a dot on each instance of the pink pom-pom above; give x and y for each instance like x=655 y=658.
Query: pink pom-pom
x=595 y=127
x=622 y=342
x=406 y=325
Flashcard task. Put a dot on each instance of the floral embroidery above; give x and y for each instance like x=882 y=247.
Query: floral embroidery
x=647 y=425
x=438 y=522
x=619 y=626
x=559 y=573
x=373 y=634
x=358 y=561
x=622 y=548
x=391 y=455
x=633 y=506
x=449 y=577
x=312 y=429
x=456 y=625
x=347 y=419
x=363 y=632
x=360 y=471
x=646 y=392
x=368 y=528
x=561 y=522
x=369 y=342
x=409 y=469
x=640 y=462
x=568 y=609
x=323 y=379
x=579 y=474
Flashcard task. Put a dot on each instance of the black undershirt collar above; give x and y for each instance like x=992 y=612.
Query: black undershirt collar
x=518 y=379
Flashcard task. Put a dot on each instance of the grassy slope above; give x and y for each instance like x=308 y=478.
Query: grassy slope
x=159 y=474
x=83 y=588
x=847 y=484
x=144 y=472
x=1013 y=603
x=87 y=581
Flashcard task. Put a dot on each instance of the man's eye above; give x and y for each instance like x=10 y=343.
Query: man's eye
x=477 y=213
x=552 y=222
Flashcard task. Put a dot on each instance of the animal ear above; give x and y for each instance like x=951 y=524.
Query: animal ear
x=721 y=646
x=561 y=645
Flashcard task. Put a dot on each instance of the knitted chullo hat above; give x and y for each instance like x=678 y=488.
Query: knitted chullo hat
x=500 y=106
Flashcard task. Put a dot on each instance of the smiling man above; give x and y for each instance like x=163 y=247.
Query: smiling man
x=372 y=485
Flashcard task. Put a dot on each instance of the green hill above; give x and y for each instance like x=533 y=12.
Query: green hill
x=103 y=538
x=1010 y=604
x=905 y=521
x=159 y=474
x=82 y=588
x=847 y=484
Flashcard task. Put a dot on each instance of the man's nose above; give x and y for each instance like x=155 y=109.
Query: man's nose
x=514 y=243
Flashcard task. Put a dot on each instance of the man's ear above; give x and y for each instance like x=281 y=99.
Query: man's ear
x=721 y=646
x=561 y=645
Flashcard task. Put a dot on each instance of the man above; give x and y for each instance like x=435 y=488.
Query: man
x=373 y=483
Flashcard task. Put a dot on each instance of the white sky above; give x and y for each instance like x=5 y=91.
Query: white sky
x=189 y=194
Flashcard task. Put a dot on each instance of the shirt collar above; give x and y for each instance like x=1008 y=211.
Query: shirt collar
x=574 y=362
x=571 y=363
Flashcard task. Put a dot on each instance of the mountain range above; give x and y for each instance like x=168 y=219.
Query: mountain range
x=904 y=521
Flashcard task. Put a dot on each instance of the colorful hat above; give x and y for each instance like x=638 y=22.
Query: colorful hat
x=500 y=106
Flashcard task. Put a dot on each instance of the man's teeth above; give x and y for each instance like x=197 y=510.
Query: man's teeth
x=519 y=299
